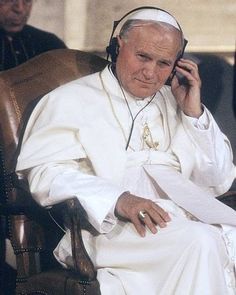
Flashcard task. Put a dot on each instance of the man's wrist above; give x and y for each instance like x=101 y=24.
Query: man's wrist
x=195 y=114
x=123 y=195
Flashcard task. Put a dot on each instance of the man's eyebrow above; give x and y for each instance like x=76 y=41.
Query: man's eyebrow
x=168 y=61
x=149 y=55
x=140 y=51
x=163 y=60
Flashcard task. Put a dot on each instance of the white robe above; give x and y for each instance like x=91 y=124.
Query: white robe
x=74 y=146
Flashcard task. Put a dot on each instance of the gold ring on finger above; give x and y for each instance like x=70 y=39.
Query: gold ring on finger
x=142 y=214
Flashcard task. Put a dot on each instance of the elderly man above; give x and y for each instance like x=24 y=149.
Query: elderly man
x=18 y=41
x=145 y=161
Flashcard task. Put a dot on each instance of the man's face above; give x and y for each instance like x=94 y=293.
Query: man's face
x=146 y=58
x=14 y=14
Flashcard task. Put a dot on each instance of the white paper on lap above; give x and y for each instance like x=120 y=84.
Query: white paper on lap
x=189 y=196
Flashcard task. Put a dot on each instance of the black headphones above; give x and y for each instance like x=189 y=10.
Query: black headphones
x=113 y=47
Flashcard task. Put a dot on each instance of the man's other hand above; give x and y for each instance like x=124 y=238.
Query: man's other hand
x=141 y=212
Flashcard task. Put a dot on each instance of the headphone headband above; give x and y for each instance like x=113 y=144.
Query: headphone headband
x=112 y=47
x=116 y=22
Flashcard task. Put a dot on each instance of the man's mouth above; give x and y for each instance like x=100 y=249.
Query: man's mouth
x=145 y=82
x=16 y=22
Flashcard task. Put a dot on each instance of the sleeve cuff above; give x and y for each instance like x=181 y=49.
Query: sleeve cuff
x=202 y=123
x=109 y=221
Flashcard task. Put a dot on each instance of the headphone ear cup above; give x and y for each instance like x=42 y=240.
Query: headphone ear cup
x=113 y=49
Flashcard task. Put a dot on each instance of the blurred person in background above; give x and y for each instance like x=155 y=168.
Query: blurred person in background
x=19 y=41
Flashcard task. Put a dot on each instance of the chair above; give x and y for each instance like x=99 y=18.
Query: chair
x=32 y=231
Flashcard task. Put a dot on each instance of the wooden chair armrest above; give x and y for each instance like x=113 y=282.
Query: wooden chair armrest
x=74 y=217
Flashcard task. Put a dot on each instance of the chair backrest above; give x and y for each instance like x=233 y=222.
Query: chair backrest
x=22 y=86
x=20 y=90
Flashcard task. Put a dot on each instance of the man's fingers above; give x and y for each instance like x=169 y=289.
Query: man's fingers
x=149 y=223
x=151 y=217
x=157 y=220
x=189 y=69
x=143 y=213
x=158 y=214
x=139 y=226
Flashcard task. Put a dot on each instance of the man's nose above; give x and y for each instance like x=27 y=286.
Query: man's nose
x=149 y=71
x=19 y=5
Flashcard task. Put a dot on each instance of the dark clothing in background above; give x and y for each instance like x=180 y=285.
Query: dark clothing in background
x=18 y=48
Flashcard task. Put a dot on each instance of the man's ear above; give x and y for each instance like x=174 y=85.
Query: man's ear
x=119 y=41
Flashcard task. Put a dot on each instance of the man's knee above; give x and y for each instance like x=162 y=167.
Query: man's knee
x=207 y=238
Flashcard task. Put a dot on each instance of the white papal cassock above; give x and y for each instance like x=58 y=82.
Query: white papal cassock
x=74 y=145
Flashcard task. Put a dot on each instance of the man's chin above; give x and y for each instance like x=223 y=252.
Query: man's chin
x=143 y=90
x=143 y=93
x=14 y=28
